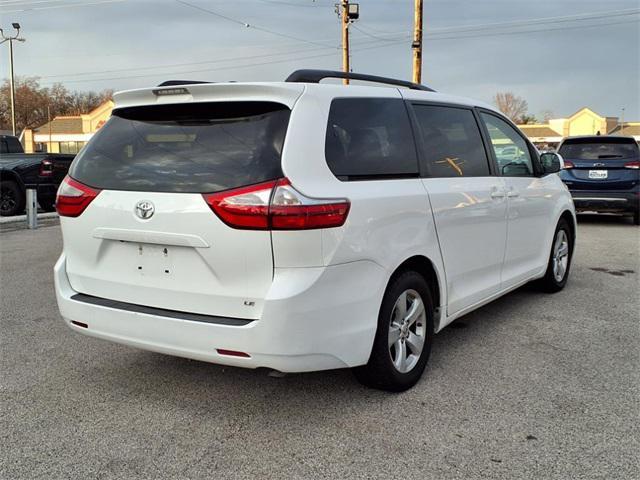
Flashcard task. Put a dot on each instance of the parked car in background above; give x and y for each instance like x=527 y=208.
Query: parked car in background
x=302 y=226
x=603 y=174
x=19 y=171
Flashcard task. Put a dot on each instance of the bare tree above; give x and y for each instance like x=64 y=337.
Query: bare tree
x=527 y=119
x=32 y=102
x=547 y=115
x=511 y=105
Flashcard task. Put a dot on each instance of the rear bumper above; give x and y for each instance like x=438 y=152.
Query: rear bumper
x=313 y=319
x=603 y=201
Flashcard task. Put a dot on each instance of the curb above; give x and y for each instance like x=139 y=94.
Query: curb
x=23 y=218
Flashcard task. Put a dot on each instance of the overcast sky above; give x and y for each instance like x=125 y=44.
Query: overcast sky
x=560 y=55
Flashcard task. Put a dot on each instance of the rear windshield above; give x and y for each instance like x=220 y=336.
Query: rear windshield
x=599 y=149
x=190 y=148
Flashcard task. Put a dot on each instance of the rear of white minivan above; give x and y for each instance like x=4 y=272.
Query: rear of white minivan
x=167 y=218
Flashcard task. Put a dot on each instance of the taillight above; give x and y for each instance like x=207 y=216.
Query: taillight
x=246 y=207
x=74 y=197
x=276 y=205
x=635 y=165
x=290 y=210
x=568 y=164
x=46 y=168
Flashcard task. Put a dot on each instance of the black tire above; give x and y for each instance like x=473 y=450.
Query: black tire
x=550 y=283
x=48 y=205
x=636 y=218
x=12 y=198
x=380 y=372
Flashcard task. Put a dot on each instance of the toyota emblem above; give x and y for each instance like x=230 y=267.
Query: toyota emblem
x=144 y=209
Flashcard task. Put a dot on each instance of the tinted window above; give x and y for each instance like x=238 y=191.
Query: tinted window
x=198 y=148
x=4 y=148
x=369 y=137
x=512 y=153
x=452 y=141
x=599 y=148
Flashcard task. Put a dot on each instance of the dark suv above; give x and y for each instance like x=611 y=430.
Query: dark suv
x=603 y=174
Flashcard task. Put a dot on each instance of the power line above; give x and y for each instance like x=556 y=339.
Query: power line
x=248 y=25
x=186 y=64
x=291 y=4
x=82 y=4
x=285 y=60
x=442 y=36
x=518 y=23
x=563 y=28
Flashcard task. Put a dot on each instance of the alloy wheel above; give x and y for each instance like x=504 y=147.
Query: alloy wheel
x=7 y=200
x=407 y=331
x=560 y=255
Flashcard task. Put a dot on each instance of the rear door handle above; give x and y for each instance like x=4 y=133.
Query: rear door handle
x=495 y=193
x=513 y=193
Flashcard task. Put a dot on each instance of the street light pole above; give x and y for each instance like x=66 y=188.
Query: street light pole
x=12 y=88
x=11 y=77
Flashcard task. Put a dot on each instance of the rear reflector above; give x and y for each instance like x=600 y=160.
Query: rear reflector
x=635 y=165
x=74 y=197
x=276 y=205
x=232 y=353
x=80 y=324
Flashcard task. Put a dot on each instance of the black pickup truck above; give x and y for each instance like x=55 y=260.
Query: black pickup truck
x=19 y=171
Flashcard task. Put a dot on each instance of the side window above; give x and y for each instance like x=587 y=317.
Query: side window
x=452 y=141
x=368 y=138
x=4 y=148
x=512 y=153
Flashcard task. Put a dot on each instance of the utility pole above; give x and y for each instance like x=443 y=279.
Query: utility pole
x=622 y=124
x=348 y=12
x=417 y=42
x=11 y=79
x=345 y=39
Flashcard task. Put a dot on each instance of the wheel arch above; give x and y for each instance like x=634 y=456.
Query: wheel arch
x=570 y=219
x=425 y=267
x=10 y=175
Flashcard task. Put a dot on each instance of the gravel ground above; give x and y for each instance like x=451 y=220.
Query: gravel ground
x=530 y=386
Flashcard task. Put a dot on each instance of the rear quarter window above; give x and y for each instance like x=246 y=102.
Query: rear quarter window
x=370 y=138
x=187 y=148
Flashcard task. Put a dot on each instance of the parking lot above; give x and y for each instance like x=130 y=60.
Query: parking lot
x=530 y=386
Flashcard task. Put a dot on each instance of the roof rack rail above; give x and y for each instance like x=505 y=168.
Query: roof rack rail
x=171 y=83
x=314 y=76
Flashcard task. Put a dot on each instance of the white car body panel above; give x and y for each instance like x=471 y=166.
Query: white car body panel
x=312 y=296
x=472 y=231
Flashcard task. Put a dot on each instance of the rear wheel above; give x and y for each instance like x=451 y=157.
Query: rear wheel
x=636 y=218
x=559 y=263
x=403 y=339
x=11 y=198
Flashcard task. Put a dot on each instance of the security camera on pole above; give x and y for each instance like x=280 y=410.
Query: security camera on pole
x=11 y=80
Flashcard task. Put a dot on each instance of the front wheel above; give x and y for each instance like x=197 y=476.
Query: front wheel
x=559 y=263
x=11 y=198
x=403 y=339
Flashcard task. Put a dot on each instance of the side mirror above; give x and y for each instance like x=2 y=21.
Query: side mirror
x=551 y=162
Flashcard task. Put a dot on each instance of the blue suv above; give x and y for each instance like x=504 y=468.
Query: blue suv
x=603 y=174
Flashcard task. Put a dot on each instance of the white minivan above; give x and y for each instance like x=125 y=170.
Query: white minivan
x=302 y=226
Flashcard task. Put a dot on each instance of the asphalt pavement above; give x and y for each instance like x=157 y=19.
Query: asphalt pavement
x=531 y=386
